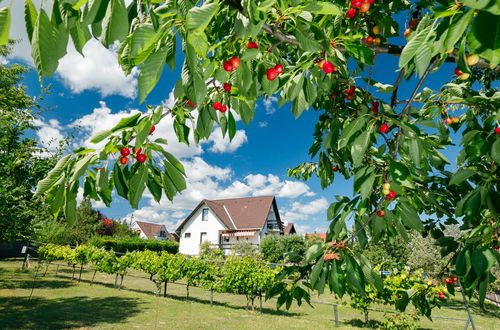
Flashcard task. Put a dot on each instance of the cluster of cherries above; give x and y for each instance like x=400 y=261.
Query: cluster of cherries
x=441 y=295
x=449 y=121
x=363 y=5
x=327 y=66
x=233 y=63
x=370 y=40
x=272 y=73
x=219 y=106
x=350 y=93
x=139 y=156
x=413 y=22
x=452 y=279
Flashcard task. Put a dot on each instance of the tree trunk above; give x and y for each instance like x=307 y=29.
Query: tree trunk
x=93 y=276
x=165 y=289
x=187 y=291
x=116 y=280
x=211 y=297
x=366 y=316
x=80 y=277
x=57 y=269
x=260 y=298
x=46 y=269
x=73 y=275
x=121 y=281
x=253 y=306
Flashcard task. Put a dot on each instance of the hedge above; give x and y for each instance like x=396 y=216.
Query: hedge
x=133 y=244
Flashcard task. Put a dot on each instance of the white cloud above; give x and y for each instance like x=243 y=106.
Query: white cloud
x=300 y=211
x=49 y=133
x=269 y=104
x=302 y=229
x=263 y=124
x=223 y=144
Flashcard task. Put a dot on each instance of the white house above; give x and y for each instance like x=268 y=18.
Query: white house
x=150 y=230
x=227 y=221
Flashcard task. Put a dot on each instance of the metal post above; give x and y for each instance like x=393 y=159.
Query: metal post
x=336 y=314
x=467 y=307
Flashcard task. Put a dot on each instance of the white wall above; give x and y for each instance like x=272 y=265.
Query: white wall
x=135 y=226
x=191 y=246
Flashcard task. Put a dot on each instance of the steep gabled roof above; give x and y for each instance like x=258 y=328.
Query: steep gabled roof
x=240 y=213
x=150 y=229
x=290 y=229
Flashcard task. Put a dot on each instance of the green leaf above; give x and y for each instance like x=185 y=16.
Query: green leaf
x=30 y=18
x=307 y=43
x=120 y=181
x=115 y=23
x=401 y=174
x=353 y=127
x=359 y=146
x=99 y=136
x=153 y=186
x=80 y=34
x=483 y=260
x=81 y=166
x=456 y=29
x=198 y=18
x=142 y=131
x=137 y=185
x=363 y=181
x=461 y=175
x=472 y=203
x=299 y=104
x=52 y=177
x=313 y=252
x=316 y=271
x=151 y=72
x=322 y=8
x=70 y=206
x=175 y=175
x=4 y=25
x=46 y=39
x=415 y=152
x=410 y=217
x=413 y=47
x=126 y=123
x=495 y=151
x=483 y=40
x=360 y=53
x=174 y=161
x=246 y=109
x=492 y=6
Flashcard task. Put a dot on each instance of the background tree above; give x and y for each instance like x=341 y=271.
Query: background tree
x=23 y=162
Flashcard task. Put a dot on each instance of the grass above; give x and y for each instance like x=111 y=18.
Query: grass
x=58 y=302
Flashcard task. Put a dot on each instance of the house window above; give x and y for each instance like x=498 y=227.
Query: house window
x=225 y=239
x=204 y=215
x=163 y=233
x=203 y=237
x=187 y=235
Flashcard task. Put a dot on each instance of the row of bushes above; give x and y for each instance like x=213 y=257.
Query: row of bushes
x=127 y=244
x=242 y=275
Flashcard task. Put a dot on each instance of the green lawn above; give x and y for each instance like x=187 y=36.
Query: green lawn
x=58 y=302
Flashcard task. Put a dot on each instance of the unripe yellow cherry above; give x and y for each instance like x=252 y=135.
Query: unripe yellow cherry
x=472 y=59
x=386 y=185
x=464 y=76
x=376 y=29
x=385 y=191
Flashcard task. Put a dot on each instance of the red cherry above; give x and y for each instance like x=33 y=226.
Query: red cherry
x=375 y=105
x=458 y=72
x=497 y=130
x=380 y=213
x=448 y=281
x=152 y=129
x=191 y=104
x=271 y=73
x=252 y=45
x=228 y=66
x=352 y=88
x=384 y=128
x=407 y=32
x=141 y=158
x=496 y=246
x=334 y=168
x=124 y=151
x=328 y=67
x=448 y=121
x=235 y=62
x=136 y=151
x=371 y=1
x=441 y=296
x=217 y=106
x=351 y=13
x=356 y=3
x=369 y=40
x=279 y=68
x=227 y=87
x=123 y=160
x=364 y=7
x=350 y=97
x=223 y=108
x=391 y=194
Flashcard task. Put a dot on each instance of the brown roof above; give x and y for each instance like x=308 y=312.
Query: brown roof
x=150 y=229
x=321 y=236
x=290 y=229
x=240 y=213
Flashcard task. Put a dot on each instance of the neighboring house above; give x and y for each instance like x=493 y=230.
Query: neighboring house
x=321 y=236
x=150 y=230
x=290 y=229
x=225 y=222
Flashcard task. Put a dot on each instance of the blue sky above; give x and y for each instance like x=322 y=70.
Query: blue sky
x=91 y=94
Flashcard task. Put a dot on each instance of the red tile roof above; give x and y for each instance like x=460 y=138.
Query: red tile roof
x=240 y=213
x=150 y=229
x=321 y=236
x=290 y=229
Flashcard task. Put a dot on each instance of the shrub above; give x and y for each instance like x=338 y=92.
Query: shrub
x=289 y=248
x=244 y=249
x=133 y=244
